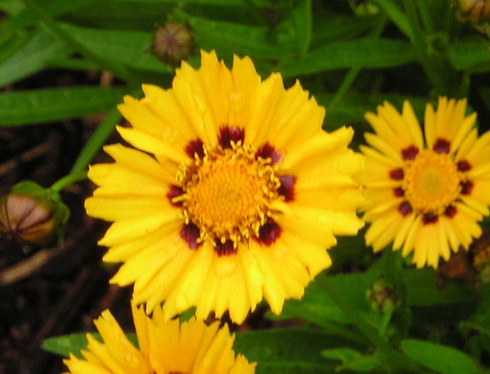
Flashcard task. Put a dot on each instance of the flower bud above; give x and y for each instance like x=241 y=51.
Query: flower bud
x=477 y=11
x=480 y=250
x=173 y=42
x=32 y=214
x=381 y=295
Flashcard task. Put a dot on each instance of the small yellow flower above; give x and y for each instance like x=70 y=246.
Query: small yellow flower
x=425 y=195
x=164 y=347
x=233 y=196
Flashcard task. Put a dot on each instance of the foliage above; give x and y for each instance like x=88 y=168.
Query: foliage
x=351 y=56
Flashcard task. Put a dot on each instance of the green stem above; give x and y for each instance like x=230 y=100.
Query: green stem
x=394 y=357
x=96 y=141
x=68 y=180
x=353 y=72
x=436 y=67
x=56 y=29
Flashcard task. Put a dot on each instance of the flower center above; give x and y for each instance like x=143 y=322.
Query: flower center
x=431 y=182
x=228 y=193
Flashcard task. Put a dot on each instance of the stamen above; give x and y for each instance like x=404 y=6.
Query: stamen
x=269 y=232
x=173 y=195
x=431 y=182
x=229 y=135
x=287 y=187
x=190 y=234
x=195 y=148
x=268 y=151
x=226 y=195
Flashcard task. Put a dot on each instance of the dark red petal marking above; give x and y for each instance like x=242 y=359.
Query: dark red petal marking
x=225 y=249
x=195 y=147
x=268 y=151
x=463 y=165
x=174 y=191
x=397 y=174
x=287 y=187
x=269 y=232
x=229 y=134
x=429 y=218
x=466 y=187
x=190 y=234
x=398 y=192
x=442 y=146
x=450 y=211
x=410 y=153
x=405 y=208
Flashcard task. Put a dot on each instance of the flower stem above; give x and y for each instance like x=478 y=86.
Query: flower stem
x=79 y=170
x=434 y=62
x=394 y=357
x=96 y=141
x=68 y=180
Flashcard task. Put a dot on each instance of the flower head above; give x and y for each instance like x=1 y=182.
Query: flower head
x=164 y=347
x=233 y=196
x=425 y=195
x=32 y=215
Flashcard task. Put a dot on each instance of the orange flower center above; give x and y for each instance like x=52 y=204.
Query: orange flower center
x=228 y=193
x=431 y=182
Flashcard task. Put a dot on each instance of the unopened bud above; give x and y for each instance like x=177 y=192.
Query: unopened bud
x=31 y=214
x=477 y=11
x=173 y=42
x=381 y=295
x=480 y=250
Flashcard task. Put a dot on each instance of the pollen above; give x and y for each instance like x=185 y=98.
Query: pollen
x=227 y=193
x=431 y=182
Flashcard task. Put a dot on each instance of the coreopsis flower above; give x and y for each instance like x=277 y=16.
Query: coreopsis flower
x=163 y=347
x=233 y=193
x=426 y=192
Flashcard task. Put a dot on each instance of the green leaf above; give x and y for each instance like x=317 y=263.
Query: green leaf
x=443 y=359
x=47 y=105
x=470 y=56
x=361 y=53
x=423 y=290
x=74 y=343
x=238 y=38
x=352 y=359
x=32 y=57
x=66 y=344
x=130 y=48
x=294 y=350
x=53 y=8
x=334 y=28
x=297 y=26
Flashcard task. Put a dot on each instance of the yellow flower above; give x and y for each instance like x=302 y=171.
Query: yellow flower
x=165 y=347
x=425 y=196
x=233 y=196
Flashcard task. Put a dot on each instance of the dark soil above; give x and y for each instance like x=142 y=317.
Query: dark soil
x=60 y=289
